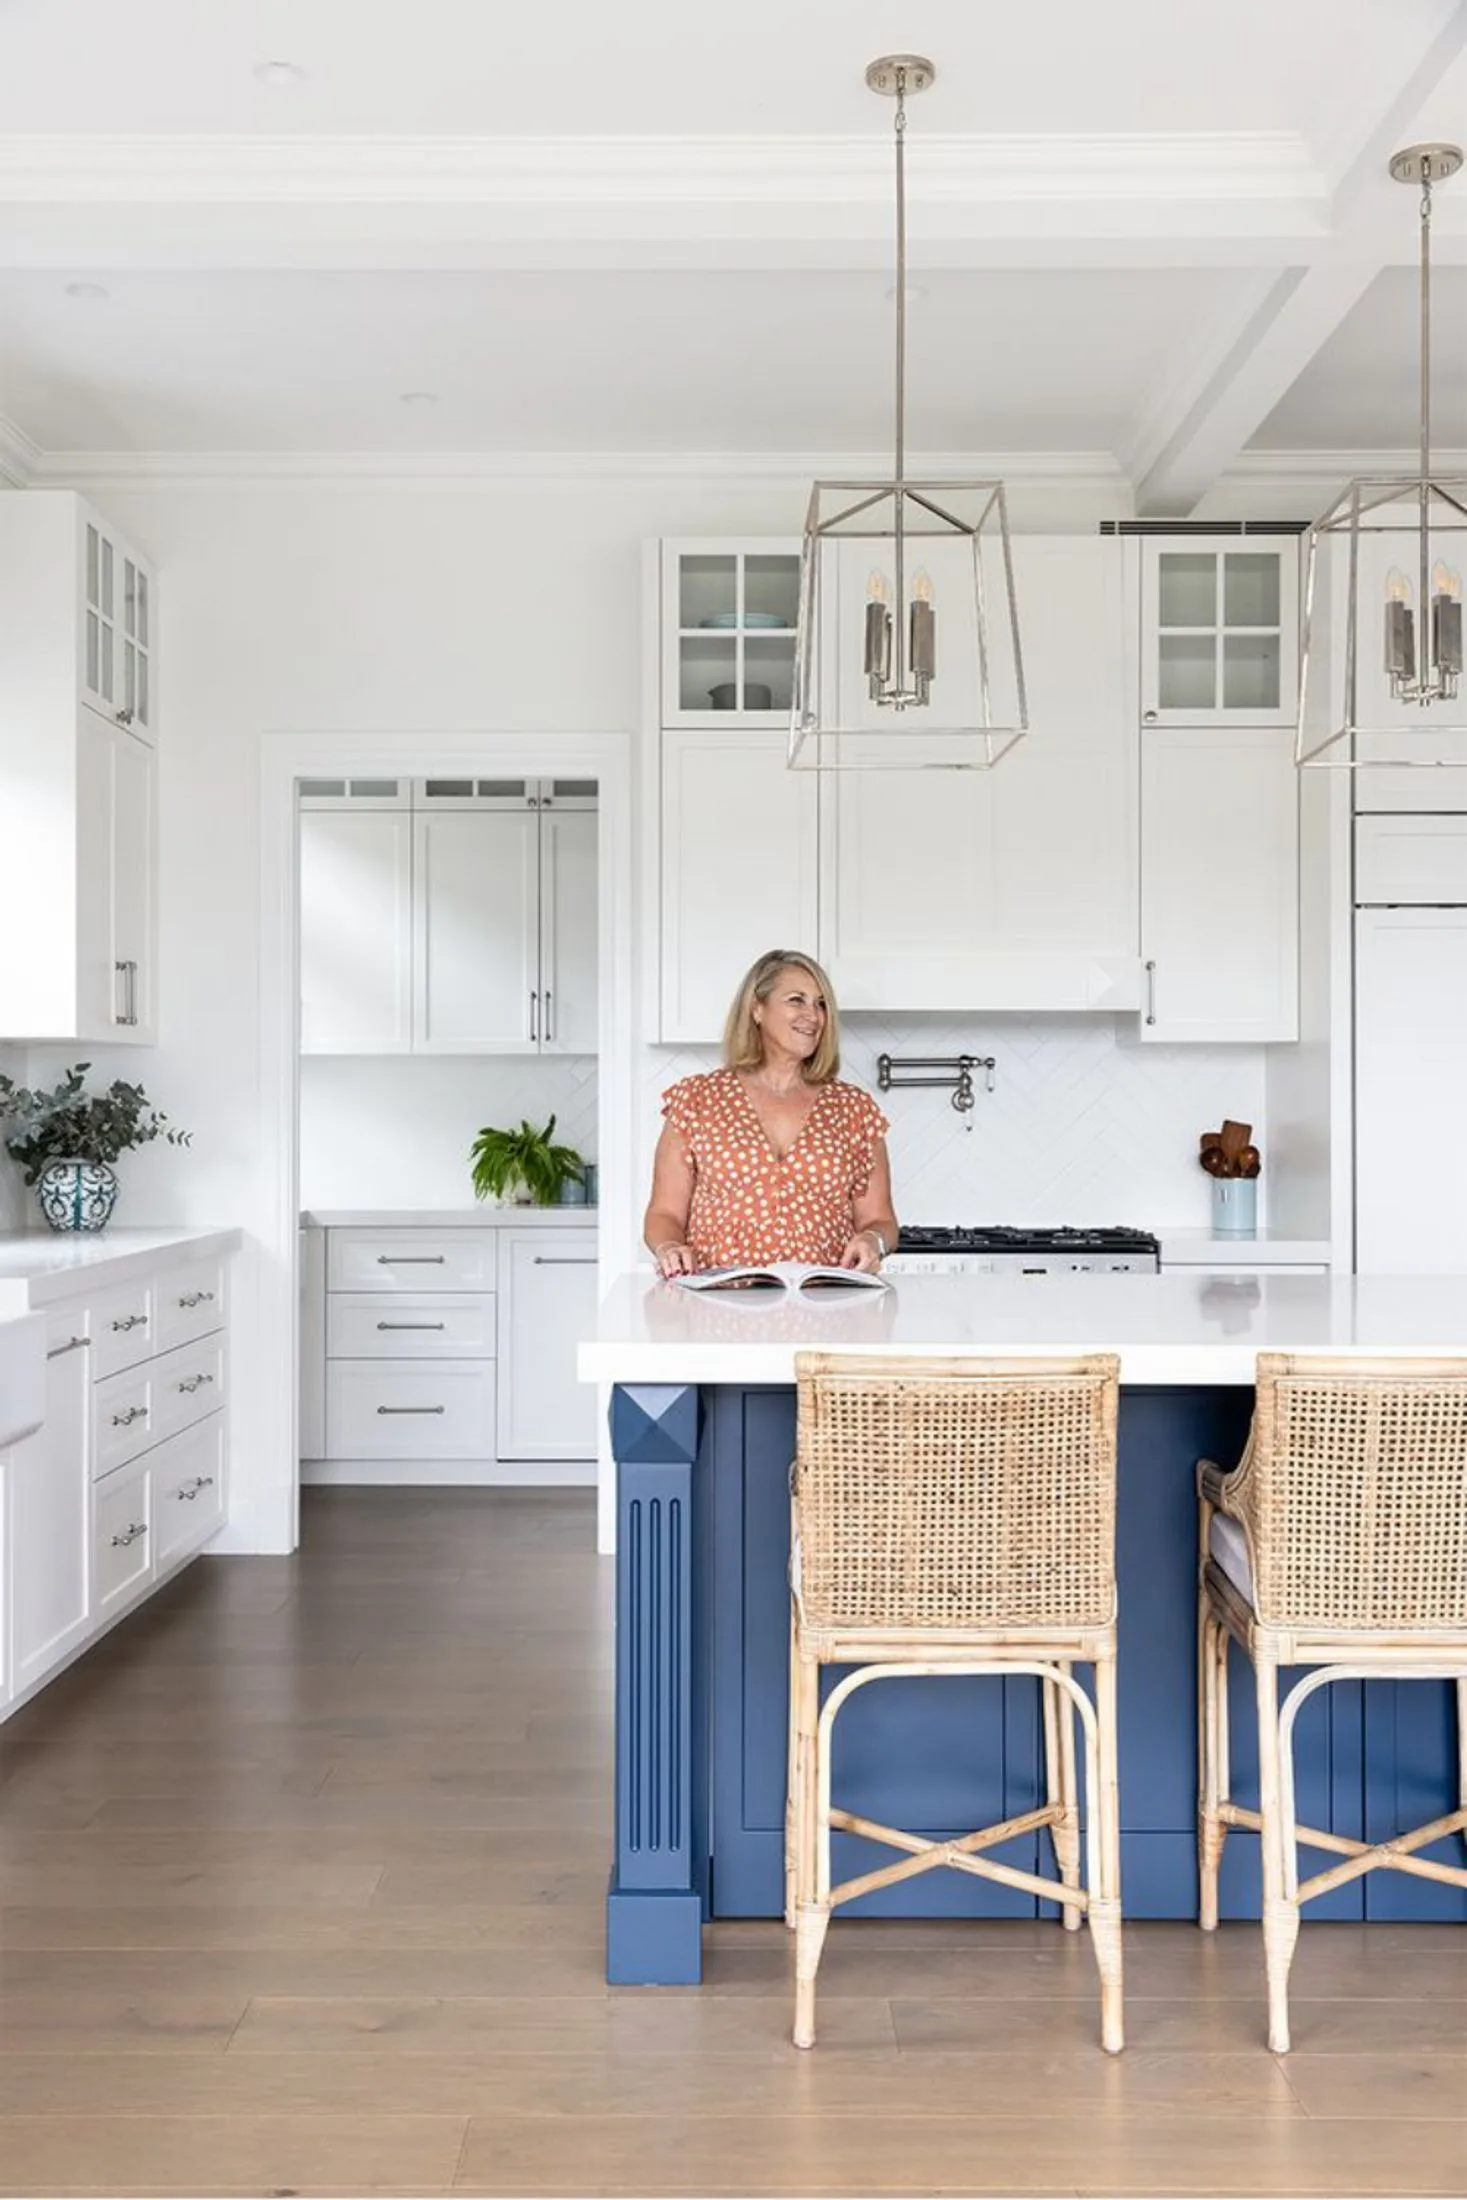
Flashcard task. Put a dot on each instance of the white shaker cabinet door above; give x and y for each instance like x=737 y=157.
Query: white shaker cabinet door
x=476 y=926
x=739 y=869
x=1410 y=1073
x=1219 y=885
x=356 y=931
x=134 y=770
x=568 y=1007
x=547 y=1304
x=50 y=1480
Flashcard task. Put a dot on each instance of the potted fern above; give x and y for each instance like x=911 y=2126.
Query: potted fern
x=524 y=1165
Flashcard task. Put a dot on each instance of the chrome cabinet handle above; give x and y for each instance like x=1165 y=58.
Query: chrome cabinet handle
x=129 y=1321
x=411 y=1260
x=124 y=716
x=133 y=1413
x=135 y=1529
x=190 y=1490
x=72 y=1344
x=534 y=1015
x=128 y=1013
x=548 y=1032
x=1151 y=993
x=412 y=1325
x=191 y=1383
x=412 y=1409
x=1149 y=717
x=563 y=1260
x=196 y=1298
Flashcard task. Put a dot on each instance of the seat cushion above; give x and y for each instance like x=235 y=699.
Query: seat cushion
x=1229 y=1547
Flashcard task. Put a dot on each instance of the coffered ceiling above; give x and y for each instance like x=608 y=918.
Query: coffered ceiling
x=1155 y=237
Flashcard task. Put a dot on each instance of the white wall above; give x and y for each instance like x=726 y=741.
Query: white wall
x=395 y=1132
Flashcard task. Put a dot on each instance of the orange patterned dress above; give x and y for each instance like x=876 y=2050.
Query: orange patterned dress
x=753 y=1204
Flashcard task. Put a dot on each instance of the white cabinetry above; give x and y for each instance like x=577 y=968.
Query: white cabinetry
x=1219 y=630
x=126 y=1477
x=1410 y=1072
x=727 y=621
x=449 y=917
x=1012 y=888
x=547 y=1304
x=77 y=826
x=1219 y=885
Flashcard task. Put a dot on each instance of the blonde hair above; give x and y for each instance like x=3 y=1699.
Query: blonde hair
x=743 y=1043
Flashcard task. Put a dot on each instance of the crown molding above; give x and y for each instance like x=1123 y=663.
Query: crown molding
x=471 y=469
x=1164 y=167
x=20 y=458
x=1329 y=470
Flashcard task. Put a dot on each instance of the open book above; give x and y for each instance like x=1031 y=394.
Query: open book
x=783 y=1275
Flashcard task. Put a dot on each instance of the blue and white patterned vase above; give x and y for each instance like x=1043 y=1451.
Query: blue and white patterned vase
x=77 y=1195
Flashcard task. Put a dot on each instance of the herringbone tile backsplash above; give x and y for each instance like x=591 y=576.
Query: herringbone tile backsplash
x=1084 y=1124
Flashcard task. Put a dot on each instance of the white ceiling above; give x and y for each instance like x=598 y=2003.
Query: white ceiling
x=1140 y=234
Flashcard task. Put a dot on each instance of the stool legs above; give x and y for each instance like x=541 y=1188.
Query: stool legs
x=1063 y=1791
x=792 y=1775
x=1280 y=1914
x=812 y=1844
x=1212 y=1751
x=1462 y=1746
x=1105 y=1860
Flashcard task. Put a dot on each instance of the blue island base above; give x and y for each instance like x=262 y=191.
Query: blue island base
x=702 y=1701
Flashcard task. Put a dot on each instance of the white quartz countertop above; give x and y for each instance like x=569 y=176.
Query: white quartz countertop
x=448 y=1218
x=38 y=1267
x=1265 y=1249
x=1175 y=1328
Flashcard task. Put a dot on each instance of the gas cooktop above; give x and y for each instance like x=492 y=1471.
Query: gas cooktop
x=1005 y=1238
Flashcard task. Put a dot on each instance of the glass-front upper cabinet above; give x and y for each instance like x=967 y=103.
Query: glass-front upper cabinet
x=1219 y=630
x=117 y=628
x=729 y=612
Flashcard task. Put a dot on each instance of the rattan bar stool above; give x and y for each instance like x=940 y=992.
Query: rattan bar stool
x=1339 y=1542
x=957 y=1516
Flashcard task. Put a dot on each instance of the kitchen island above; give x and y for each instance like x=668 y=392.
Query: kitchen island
x=703 y=1412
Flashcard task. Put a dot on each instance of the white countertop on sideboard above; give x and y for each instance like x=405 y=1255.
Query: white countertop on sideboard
x=447 y=1218
x=38 y=1267
x=1264 y=1249
x=1175 y=1328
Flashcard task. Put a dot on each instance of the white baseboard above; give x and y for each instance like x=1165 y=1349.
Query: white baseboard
x=457 y=1474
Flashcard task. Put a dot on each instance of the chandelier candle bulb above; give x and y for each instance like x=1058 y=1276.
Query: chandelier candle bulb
x=878 y=637
x=923 y=636
x=1446 y=624
x=1400 y=628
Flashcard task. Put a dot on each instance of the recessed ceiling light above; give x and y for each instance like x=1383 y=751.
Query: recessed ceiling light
x=279 y=72
x=418 y=397
x=87 y=290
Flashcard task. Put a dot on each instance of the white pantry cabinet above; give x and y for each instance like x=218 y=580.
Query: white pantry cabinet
x=50 y=1529
x=449 y=917
x=1219 y=885
x=547 y=1304
x=1219 y=629
x=1410 y=1071
x=1012 y=888
x=77 y=832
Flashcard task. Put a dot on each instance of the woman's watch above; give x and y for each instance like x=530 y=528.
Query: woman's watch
x=882 y=1248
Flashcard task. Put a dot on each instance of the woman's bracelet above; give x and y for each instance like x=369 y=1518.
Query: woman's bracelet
x=882 y=1248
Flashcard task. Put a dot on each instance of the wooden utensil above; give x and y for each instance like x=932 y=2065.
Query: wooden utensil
x=1235 y=1136
x=1250 y=1161
x=1214 y=1161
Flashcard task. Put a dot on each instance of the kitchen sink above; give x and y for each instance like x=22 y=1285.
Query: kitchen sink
x=22 y=1377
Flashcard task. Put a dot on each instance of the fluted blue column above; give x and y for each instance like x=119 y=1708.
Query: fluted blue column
x=659 y=1883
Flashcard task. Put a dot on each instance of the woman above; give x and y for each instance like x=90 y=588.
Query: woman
x=772 y=1157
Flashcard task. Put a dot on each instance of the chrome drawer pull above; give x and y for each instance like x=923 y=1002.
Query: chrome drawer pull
x=412 y=1325
x=121 y=1542
x=192 y=1489
x=72 y=1344
x=564 y=1260
x=412 y=1409
x=196 y=1298
x=129 y=1321
x=133 y=1413
x=411 y=1260
x=194 y=1382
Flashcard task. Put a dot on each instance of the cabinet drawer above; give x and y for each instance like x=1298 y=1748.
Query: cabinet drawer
x=1411 y=860
x=373 y=1325
x=188 y=1489
x=139 y=1407
x=189 y=1301
x=122 y=1326
x=409 y=1411
x=410 y=1260
x=122 y=1533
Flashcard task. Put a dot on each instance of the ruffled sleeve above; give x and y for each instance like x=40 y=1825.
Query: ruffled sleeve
x=867 y=1126
x=682 y=1106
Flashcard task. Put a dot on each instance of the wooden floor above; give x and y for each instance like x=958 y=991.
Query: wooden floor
x=300 y=1891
